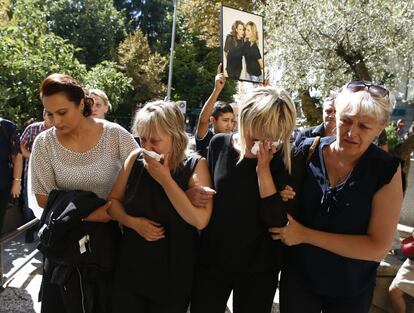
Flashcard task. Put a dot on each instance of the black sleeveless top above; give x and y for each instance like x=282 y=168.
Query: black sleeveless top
x=344 y=209
x=162 y=268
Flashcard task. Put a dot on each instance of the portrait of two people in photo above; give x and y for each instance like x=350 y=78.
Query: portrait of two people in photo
x=242 y=45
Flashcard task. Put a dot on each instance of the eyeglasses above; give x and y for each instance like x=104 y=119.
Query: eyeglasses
x=375 y=90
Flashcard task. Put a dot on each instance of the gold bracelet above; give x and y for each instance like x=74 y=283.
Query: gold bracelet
x=18 y=179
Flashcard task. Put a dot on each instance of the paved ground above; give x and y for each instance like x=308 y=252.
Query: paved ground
x=20 y=294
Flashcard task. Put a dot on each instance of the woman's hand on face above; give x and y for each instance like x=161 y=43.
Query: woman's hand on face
x=160 y=171
x=16 y=188
x=287 y=193
x=292 y=234
x=265 y=154
x=148 y=229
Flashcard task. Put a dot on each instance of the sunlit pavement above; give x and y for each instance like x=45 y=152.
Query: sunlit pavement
x=21 y=293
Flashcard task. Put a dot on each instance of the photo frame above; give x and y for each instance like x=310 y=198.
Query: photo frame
x=242 y=45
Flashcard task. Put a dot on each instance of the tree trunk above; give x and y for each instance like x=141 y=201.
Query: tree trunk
x=403 y=151
x=356 y=62
x=313 y=114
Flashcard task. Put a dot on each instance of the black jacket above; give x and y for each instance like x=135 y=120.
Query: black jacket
x=79 y=254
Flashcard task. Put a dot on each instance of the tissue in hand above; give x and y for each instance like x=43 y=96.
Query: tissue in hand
x=256 y=145
x=152 y=154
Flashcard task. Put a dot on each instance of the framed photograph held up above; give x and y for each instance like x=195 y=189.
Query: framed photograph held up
x=242 y=45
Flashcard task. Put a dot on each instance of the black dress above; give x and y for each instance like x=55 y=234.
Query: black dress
x=234 y=49
x=159 y=270
x=236 y=250
x=237 y=237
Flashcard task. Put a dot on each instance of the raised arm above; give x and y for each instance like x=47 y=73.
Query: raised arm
x=204 y=118
x=373 y=246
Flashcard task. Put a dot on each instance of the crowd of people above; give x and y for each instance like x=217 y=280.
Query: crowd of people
x=247 y=207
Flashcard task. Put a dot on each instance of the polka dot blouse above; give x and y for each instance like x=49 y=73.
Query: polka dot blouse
x=54 y=166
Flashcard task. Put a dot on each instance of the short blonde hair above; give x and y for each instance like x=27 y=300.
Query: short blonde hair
x=363 y=103
x=101 y=94
x=271 y=112
x=163 y=116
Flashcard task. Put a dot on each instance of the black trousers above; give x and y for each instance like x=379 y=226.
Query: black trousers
x=297 y=296
x=127 y=300
x=4 y=200
x=251 y=292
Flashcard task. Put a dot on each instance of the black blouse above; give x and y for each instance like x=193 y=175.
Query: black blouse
x=252 y=56
x=237 y=237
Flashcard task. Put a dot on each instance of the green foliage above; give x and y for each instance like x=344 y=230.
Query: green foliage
x=195 y=67
x=106 y=76
x=31 y=54
x=94 y=26
x=144 y=67
x=202 y=17
x=392 y=138
x=153 y=18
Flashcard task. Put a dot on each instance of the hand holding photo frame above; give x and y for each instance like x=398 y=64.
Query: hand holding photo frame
x=242 y=45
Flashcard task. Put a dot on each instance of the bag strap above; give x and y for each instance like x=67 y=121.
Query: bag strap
x=312 y=148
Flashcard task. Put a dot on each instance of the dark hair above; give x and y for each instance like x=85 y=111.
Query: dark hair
x=56 y=83
x=220 y=108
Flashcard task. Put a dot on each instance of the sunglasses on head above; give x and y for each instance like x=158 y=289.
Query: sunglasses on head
x=375 y=90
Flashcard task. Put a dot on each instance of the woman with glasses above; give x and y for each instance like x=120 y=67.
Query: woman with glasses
x=349 y=199
x=248 y=168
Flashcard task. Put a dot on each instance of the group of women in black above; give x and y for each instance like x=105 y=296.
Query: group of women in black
x=323 y=216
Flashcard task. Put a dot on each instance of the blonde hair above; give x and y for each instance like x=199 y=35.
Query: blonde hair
x=163 y=116
x=271 y=112
x=255 y=36
x=363 y=103
x=101 y=94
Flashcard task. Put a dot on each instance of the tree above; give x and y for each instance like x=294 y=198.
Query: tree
x=153 y=18
x=323 y=44
x=195 y=67
x=31 y=53
x=136 y=60
x=107 y=77
x=202 y=17
x=93 y=26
